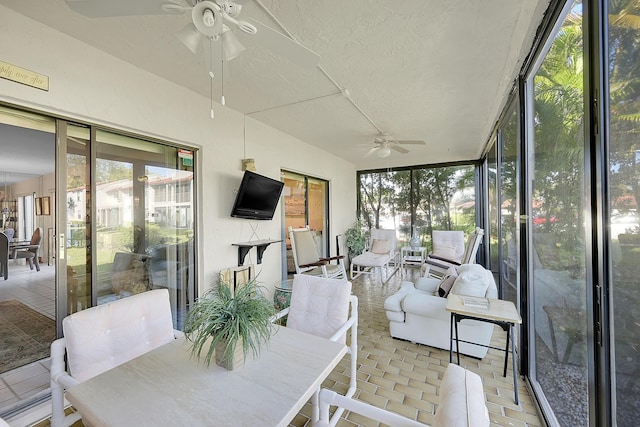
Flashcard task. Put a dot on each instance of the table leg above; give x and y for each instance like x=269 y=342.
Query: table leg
x=455 y=324
x=513 y=361
x=451 y=339
x=506 y=351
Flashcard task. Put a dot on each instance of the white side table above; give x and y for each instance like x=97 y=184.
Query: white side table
x=414 y=257
x=499 y=312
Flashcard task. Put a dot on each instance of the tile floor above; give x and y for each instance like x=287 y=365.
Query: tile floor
x=36 y=290
x=403 y=377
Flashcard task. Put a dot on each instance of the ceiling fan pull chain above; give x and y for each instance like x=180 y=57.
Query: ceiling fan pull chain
x=222 y=101
x=211 y=74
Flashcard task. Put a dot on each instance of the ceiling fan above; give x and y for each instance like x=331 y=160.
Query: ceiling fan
x=383 y=144
x=216 y=20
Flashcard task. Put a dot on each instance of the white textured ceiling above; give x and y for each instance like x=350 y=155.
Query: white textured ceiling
x=436 y=70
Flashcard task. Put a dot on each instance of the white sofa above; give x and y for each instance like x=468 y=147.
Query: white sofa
x=417 y=313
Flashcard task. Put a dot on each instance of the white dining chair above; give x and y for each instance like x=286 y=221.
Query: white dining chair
x=100 y=338
x=325 y=307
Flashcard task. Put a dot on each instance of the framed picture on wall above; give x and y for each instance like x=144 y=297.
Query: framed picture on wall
x=38 y=201
x=46 y=205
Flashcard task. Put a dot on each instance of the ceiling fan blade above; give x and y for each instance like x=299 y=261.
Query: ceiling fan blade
x=370 y=152
x=110 y=8
x=398 y=148
x=412 y=142
x=281 y=45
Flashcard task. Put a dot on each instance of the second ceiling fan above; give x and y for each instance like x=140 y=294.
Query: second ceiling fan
x=383 y=144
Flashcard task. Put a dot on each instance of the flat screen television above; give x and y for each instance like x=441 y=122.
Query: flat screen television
x=257 y=197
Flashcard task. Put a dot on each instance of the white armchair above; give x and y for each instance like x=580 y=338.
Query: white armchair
x=102 y=337
x=308 y=261
x=325 y=307
x=450 y=250
x=417 y=313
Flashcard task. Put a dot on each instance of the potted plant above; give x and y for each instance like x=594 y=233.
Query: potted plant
x=231 y=324
x=356 y=240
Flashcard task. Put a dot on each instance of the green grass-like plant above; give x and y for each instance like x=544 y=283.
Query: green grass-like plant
x=244 y=317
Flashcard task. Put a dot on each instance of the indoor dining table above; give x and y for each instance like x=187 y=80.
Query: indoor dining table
x=167 y=386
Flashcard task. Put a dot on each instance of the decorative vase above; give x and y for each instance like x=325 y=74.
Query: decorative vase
x=238 y=355
x=415 y=239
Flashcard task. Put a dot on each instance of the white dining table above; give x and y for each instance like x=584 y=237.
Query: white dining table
x=167 y=386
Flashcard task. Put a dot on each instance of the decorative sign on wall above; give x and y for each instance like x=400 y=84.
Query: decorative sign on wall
x=24 y=76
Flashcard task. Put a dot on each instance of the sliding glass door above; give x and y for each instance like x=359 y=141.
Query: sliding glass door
x=144 y=219
x=558 y=278
x=624 y=196
x=306 y=202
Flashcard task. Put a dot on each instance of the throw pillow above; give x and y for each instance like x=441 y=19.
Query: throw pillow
x=447 y=283
x=472 y=281
x=445 y=286
x=380 y=246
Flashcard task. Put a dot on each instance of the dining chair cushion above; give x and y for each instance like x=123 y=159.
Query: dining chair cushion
x=103 y=337
x=319 y=306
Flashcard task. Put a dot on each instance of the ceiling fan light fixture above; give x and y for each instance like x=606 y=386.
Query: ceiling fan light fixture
x=383 y=152
x=190 y=37
x=231 y=45
x=207 y=18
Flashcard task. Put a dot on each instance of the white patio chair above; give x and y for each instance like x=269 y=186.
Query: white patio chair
x=308 y=261
x=100 y=338
x=379 y=253
x=325 y=307
x=446 y=247
x=461 y=404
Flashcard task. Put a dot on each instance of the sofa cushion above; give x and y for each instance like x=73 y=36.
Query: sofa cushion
x=473 y=280
x=462 y=401
x=380 y=246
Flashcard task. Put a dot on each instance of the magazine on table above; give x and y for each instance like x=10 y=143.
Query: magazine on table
x=476 y=302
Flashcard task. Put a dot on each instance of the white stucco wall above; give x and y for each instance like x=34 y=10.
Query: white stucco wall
x=91 y=86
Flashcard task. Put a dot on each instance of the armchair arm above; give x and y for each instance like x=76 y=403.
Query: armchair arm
x=440 y=264
x=332 y=258
x=434 y=256
x=314 y=264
